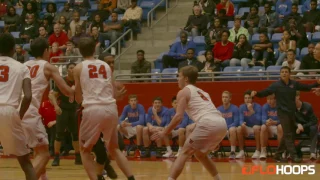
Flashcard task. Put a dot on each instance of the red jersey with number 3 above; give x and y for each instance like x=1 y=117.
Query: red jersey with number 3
x=39 y=83
x=96 y=83
x=12 y=74
x=200 y=104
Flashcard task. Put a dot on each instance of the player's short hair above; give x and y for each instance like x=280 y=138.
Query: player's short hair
x=247 y=92
x=103 y=55
x=132 y=96
x=140 y=51
x=7 y=44
x=291 y=50
x=191 y=72
x=174 y=98
x=227 y=92
x=87 y=46
x=72 y=63
x=38 y=47
x=158 y=98
x=297 y=93
x=285 y=67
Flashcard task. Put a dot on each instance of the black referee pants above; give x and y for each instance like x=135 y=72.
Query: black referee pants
x=287 y=121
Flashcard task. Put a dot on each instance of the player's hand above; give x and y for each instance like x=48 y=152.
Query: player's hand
x=154 y=111
x=250 y=106
x=269 y=122
x=58 y=110
x=253 y=93
x=71 y=96
x=300 y=127
x=119 y=94
x=243 y=124
x=157 y=135
x=126 y=124
x=52 y=123
x=316 y=91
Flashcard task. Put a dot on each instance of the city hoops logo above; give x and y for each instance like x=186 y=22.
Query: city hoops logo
x=279 y=169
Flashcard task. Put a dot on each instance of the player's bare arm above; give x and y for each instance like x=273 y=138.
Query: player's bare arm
x=78 y=90
x=182 y=102
x=53 y=100
x=118 y=89
x=26 y=86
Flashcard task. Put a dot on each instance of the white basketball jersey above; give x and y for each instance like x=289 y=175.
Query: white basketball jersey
x=12 y=74
x=200 y=104
x=39 y=82
x=96 y=83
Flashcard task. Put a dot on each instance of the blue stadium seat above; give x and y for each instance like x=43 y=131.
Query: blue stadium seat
x=298 y=53
x=1 y=24
x=243 y=10
x=26 y=47
x=146 y=7
x=83 y=18
x=276 y=37
x=232 y=69
x=170 y=70
x=158 y=61
x=200 y=43
x=254 y=68
x=315 y=37
x=276 y=71
x=19 y=11
x=200 y=53
x=230 y=24
x=155 y=76
x=300 y=9
x=276 y=53
x=94 y=7
x=304 y=51
x=15 y=34
x=179 y=40
x=309 y=35
x=255 y=39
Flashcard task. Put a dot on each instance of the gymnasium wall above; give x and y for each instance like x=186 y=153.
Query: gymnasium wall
x=147 y=91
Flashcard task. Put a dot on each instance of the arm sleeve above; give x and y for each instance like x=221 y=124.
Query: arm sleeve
x=305 y=87
x=270 y=90
x=241 y=117
x=141 y=117
x=311 y=117
x=174 y=50
x=264 y=116
x=258 y=113
x=123 y=114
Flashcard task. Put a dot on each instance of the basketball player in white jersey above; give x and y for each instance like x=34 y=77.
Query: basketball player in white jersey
x=96 y=90
x=41 y=72
x=210 y=128
x=14 y=77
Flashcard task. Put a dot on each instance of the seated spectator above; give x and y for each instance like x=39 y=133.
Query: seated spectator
x=214 y=34
x=306 y=6
x=237 y=30
x=268 y=21
x=284 y=45
x=98 y=38
x=20 y=55
x=132 y=121
x=178 y=51
x=179 y=131
x=43 y=32
x=58 y=36
x=241 y=52
x=231 y=113
x=307 y=123
x=55 y=52
x=66 y=13
x=155 y=122
x=113 y=29
x=271 y=126
x=293 y=15
x=283 y=8
x=74 y=23
x=51 y=12
x=191 y=60
x=291 y=61
x=249 y=124
x=263 y=51
x=30 y=8
x=81 y=6
x=29 y=29
x=223 y=18
x=141 y=65
x=108 y=5
x=97 y=22
x=72 y=51
x=209 y=65
x=122 y=5
x=64 y=25
x=46 y=23
x=228 y=6
x=312 y=17
x=104 y=15
x=297 y=33
x=207 y=7
x=309 y=62
x=132 y=18
x=11 y=20
x=252 y=21
x=78 y=35
x=222 y=50
x=197 y=23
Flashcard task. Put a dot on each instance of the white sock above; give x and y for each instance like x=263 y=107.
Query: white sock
x=241 y=151
x=169 y=149
x=170 y=178
x=180 y=149
x=217 y=177
x=264 y=149
x=233 y=148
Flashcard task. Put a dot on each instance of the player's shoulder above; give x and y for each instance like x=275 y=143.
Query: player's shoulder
x=244 y=105
x=220 y=107
x=150 y=109
x=234 y=106
x=257 y=105
x=265 y=106
x=140 y=106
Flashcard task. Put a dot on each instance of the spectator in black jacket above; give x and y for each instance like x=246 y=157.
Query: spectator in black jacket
x=196 y=23
x=29 y=29
x=191 y=60
x=241 y=52
x=307 y=123
x=309 y=62
x=214 y=33
x=81 y=6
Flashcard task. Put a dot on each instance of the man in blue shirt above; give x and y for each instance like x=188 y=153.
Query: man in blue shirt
x=230 y=113
x=178 y=51
x=132 y=121
x=249 y=124
x=156 y=121
x=271 y=126
x=178 y=131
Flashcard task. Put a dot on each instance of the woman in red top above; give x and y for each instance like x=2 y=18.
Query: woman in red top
x=55 y=51
x=228 y=6
x=223 y=50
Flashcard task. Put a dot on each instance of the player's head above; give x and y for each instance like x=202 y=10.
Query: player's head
x=226 y=97
x=247 y=97
x=7 y=45
x=285 y=73
x=174 y=102
x=271 y=100
x=133 y=101
x=87 y=47
x=187 y=75
x=108 y=58
x=70 y=67
x=40 y=48
x=157 y=103
x=297 y=97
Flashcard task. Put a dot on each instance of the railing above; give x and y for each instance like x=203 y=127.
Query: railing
x=150 y=16
x=61 y=58
x=118 y=42
x=212 y=76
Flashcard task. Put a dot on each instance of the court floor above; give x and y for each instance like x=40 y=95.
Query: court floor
x=158 y=169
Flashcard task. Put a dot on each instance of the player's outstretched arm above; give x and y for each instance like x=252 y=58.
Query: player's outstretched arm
x=26 y=86
x=62 y=85
x=76 y=76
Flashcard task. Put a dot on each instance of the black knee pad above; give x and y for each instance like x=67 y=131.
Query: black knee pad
x=60 y=136
x=100 y=152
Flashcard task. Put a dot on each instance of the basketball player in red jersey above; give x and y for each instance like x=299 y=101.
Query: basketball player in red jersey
x=41 y=72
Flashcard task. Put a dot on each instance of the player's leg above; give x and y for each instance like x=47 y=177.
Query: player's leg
x=264 y=136
x=279 y=133
x=208 y=164
x=139 y=132
x=146 y=142
x=159 y=143
x=232 y=133
x=179 y=163
x=256 y=132
x=27 y=167
x=72 y=125
x=166 y=140
x=241 y=133
x=181 y=139
x=41 y=159
x=61 y=125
